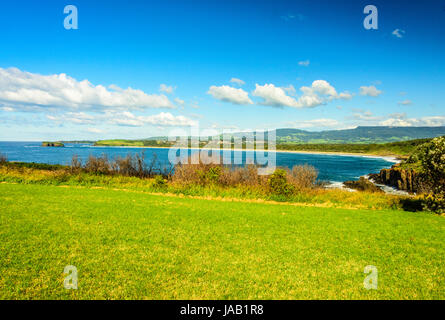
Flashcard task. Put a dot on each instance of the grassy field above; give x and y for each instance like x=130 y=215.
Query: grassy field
x=56 y=175
x=128 y=244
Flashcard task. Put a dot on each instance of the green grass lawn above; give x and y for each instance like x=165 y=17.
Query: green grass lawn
x=127 y=244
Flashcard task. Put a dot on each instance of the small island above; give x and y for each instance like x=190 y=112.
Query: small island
x=52 y=144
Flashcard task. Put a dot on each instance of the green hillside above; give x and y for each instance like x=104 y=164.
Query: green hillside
x=359 y=135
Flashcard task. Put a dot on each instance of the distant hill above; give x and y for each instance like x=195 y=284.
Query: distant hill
x=359 y=135
x=363 y=135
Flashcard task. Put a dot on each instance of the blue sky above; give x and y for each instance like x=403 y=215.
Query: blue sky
x=303 y=64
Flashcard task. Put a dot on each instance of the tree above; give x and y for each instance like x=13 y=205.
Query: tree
x=432 y=158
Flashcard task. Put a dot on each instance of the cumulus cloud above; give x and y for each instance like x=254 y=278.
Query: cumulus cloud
x=62 y=91
x=179 y=101
x=371 y=91
x=304 y=63
x=94 y=130
x=162 y=119
x=124 y=118
x=290 y=90
x=230 y=94
x=237 y=81
x=400 y=120
x=405 y=102
x=318 y=93
x=399 y=33
x=73 y=117
x=363 y=115
x=314 y=123
x=274 y=96
x=166 y=89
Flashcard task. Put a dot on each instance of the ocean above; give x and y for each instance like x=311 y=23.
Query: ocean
x=334 y=168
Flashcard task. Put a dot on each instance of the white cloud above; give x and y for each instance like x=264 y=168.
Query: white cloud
x=290 y=90
x=162 y=119
x=94 y=130
x=7 y=109
x=274 y=96
x=304 y=63
x=371 y=91
x=230 y=94
x=73 y=117
x=237 y=81
x=179 y=101
x=166 y=89
x=405 y=102
x=399 y=33
x=400 y=120
x=365 y=115
x=319 y=93
x=124 y=118
x=59 y=90
x=314 y=123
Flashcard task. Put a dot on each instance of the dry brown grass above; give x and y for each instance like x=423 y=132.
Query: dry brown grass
x=199 y=173
x=302 y=177
x=130 y=166
x=3 y=158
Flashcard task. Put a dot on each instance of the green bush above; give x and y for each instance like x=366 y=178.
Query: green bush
x=434 y=202
x=212 y=176
x=278 y=184
x=159 y=182
x=432 y=158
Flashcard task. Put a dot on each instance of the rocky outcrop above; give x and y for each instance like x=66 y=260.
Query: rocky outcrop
x=52 y=144
x=402 y=179
x=362 y=185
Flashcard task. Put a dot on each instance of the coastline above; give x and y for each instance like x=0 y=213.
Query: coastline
x=389 y=158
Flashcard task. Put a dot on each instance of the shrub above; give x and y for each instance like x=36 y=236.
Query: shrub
x=3 y=158
x=246 y=176
x=76 y=164
x=303 y=177
x=98 y=165
x=434 y=202
x=279 y=185
x=159 y=182
x=432 y=158
x=194 y=171
x=130 y=165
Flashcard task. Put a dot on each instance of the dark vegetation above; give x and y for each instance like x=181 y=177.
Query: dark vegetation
x=52 y=144
x=3 y=158
x=362 y=185
x=130 y=166
x=403 y=148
